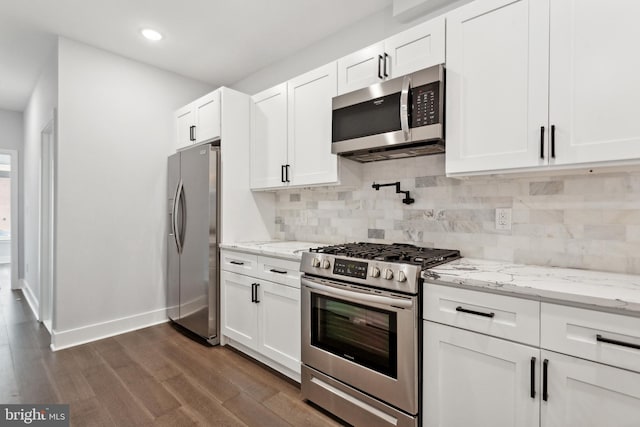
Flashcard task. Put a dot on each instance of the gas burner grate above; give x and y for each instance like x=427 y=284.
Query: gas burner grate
x=396 y=252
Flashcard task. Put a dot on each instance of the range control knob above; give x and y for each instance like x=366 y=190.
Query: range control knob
x=325 y=264
x=315 y=262
x=401 y=276
x=387 y=274
x=375 y=272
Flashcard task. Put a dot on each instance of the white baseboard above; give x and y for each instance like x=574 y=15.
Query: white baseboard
x=30 y=297
x=98 y=331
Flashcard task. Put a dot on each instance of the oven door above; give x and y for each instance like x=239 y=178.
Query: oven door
x=364 y=338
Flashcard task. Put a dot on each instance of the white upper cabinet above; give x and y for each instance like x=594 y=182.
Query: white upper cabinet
x=310 y=160
x=361 y=69
x=497 y=79
x=419 y=47
x=595 y=89
x=269 y=137
x=185 y=122
x=198 y=121
x=537 y=85
x=416 y=48
x=207 y=111
x=291 y=134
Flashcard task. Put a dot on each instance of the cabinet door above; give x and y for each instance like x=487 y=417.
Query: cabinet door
x=269 y=137
x=361 y=69
x=594 y=84
x=497 y=83
x=588 y=394
x=472 y=379
x=419 y=47
x=208 y=117
x=184 y=120
x=279 y=320
x=309 y=154
x=239 y=313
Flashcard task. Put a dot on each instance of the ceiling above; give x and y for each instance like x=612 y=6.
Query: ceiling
x=214 y=41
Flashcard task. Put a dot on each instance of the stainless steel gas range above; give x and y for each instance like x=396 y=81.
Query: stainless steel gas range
x=361 y=330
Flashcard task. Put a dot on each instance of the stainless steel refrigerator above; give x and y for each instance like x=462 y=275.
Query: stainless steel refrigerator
x=193 y=293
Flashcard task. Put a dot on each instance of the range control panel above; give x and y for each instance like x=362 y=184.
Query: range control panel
x=425 y=103
x=344 y=267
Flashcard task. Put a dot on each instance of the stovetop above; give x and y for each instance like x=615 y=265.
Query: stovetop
x=395 y=267
x=393 y=253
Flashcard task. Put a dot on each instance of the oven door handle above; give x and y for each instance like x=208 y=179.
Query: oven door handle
x=357 y=296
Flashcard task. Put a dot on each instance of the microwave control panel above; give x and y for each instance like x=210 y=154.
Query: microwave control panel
x=425 y=105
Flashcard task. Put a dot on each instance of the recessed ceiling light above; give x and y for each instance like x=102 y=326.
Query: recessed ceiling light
x=152 y=35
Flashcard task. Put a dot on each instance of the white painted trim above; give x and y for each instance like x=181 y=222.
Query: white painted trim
x=15 y=219
x=98 y=331
x=31 y=299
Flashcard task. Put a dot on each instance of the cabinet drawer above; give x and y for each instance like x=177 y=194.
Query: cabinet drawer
x=278 y=270
x=239 y=262
x=515 y=319
x=608 y=338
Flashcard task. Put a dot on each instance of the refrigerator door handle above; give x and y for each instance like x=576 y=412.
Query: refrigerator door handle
x=176 y=227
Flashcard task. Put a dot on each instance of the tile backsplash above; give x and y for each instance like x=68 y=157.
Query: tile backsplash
x=589 y=221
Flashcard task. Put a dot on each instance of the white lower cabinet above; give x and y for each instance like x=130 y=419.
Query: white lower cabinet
x=240 y=315
x=262 y=319
x=582 y=393
x=476 y=379
x=471 y=379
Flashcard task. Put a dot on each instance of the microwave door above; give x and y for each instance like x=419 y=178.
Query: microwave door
x=369 y=118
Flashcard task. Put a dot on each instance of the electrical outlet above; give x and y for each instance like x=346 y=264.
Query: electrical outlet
x=503 y=219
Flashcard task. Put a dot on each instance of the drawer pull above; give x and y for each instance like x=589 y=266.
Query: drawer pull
x=273 y=270
x=545 y=369
x=237 y=262
x=477 y=313
x=533 y=377
x=600 y=338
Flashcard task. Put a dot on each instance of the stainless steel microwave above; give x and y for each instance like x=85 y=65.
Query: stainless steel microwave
x=401 y=117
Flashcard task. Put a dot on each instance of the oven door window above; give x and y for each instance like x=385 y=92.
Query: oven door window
x=364 y=335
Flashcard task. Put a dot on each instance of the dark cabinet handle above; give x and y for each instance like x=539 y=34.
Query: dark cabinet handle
x=380 y=67
x=286 y=173
x=254 y=293
x=477 y=313
x=553 y=141
x=600 y=338
x=385 y=65
x=192 y=133
x=236 y=262
x=282 y=173
x=533 y=377
x=542 y=142
x=273 y=270
x=545 y=368
x=256 y=300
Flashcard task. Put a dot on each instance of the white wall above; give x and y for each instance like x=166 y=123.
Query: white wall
x=369 y=30
x=115 y=133
x=43 y=100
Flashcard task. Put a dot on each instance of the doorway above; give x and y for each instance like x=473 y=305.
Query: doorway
x=9 y=218
x=46 y=224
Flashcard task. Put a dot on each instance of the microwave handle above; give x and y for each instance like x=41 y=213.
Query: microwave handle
x=404 y=107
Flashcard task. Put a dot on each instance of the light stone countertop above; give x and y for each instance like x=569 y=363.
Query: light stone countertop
x=619 y=293
x=291 y=250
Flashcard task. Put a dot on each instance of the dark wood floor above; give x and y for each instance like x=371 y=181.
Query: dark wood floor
x=154 y=376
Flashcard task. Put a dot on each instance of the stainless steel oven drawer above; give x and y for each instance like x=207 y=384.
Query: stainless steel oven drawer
x=349 y=404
